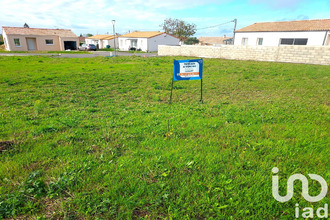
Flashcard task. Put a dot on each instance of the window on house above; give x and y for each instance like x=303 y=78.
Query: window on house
x=244 y=41
x=260 y=41
x=49 y=42
x=133 y=43
x=300 y=41
x=293 y=41
x=17 y=42
x=287 y=41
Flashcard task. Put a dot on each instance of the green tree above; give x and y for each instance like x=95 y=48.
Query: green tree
x=191 y=41
x=178 y=28
x=88 y=35
x=1 y=39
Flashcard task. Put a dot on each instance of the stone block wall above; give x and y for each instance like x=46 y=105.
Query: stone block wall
x=292 y=54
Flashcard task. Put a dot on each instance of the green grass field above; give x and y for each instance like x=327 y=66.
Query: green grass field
x=97 y=138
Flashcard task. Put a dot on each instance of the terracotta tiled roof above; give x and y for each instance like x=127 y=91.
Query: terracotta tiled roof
x=212 y=40
x=143 y=34
x=101 y=37
x=82 y=39
x=304 y=25
x=109 y=37
x=39 y=31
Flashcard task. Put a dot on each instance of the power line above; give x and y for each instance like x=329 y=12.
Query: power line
x=215 y=25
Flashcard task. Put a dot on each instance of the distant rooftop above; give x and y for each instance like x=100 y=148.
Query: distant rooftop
x=143 y=34
x=39 y=31
x=101 y=37
x=213 y=40
x=303 y=25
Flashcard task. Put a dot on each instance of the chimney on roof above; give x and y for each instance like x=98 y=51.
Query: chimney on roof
x=224 y=35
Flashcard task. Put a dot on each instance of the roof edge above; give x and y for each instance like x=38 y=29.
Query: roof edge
x=39 y=28
x=281 y=31
x=312 y=22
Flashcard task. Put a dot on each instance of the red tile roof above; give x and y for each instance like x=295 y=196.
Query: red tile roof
x=38 y=31
x=303 y=25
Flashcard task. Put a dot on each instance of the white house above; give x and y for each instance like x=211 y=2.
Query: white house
x=146 y=40
x=305 y=32
x=102 y=41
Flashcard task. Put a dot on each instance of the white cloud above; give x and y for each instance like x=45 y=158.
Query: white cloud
x=94 y=16
x=85 y=16
x=278 y=4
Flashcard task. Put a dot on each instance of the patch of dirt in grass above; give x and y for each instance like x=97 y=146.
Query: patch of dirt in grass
x=54 y=210
x=5 y=145
x=138 y=213
x=32 y=166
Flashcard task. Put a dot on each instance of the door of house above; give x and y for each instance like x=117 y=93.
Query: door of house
x=31 y=42
x=134 y=43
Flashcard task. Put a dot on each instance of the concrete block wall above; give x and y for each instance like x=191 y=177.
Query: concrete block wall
x=292 y=54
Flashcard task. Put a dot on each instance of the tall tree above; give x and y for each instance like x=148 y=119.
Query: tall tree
x=26 y=25
x=178 y=28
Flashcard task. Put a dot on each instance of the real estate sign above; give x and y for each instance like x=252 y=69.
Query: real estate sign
x=187 y=69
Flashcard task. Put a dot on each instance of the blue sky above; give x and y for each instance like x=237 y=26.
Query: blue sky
x=86 y=16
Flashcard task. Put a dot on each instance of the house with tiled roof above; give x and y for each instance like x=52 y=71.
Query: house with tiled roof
x=214 y=41
x=41 y=39
x=146 y=40
x=303 y=32
x=81 y=39
x=102 y=41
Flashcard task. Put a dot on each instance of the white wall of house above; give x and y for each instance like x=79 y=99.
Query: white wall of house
x=102 y=43
x=91 y=41
x=5 y=39
x=315 y=38
x=139 y=43
x=163 y=39
x=147 y=44
x=111 y=43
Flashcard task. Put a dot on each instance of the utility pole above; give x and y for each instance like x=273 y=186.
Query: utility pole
x=235 y=20
x=114 y=34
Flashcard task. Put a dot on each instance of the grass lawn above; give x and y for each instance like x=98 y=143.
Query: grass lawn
x=96 y=138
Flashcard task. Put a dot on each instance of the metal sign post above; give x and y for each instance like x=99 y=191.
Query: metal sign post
x=171 y=91
x=201 y=91
x=188 y=70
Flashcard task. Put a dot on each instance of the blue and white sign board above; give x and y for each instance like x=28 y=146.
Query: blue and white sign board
x=187 y=69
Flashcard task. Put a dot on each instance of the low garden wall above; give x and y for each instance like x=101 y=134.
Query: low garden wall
x=292 y=54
